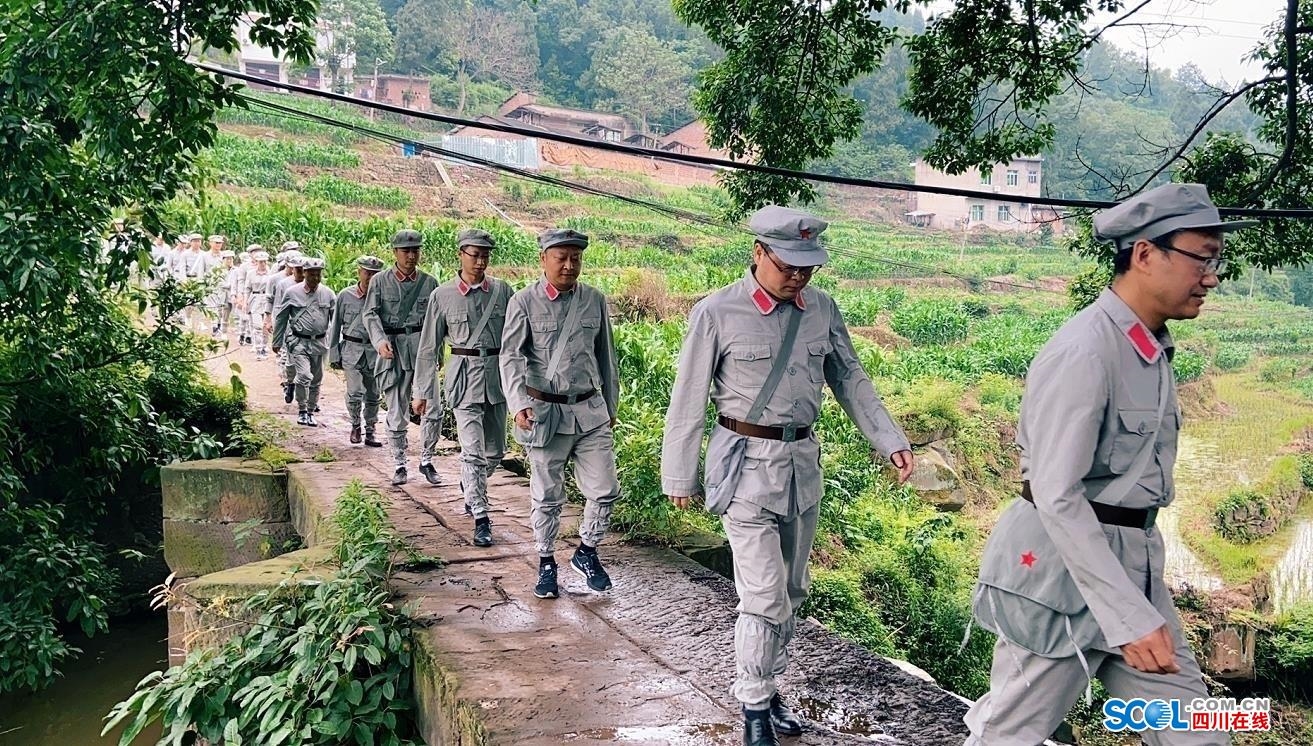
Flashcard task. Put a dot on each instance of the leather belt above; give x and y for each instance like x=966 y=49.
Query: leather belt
x=393 y=331
x=551 y=398
x=788 y=434
x=350 y=338
x=1112 y=515
x=474 y=352
x=307 y=336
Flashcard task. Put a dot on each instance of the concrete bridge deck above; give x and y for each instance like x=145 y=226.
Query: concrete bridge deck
x=650 y=662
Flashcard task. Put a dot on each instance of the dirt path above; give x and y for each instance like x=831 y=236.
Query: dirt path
x=648 y=663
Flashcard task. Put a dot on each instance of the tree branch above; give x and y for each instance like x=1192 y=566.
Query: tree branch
x=1292 y=115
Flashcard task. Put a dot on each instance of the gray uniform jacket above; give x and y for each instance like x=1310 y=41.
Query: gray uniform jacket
x=255 y=289
x=303 y=316
x=394 y=304
x=277 y=286
x=350 y=321
x=1053 y=579
x=455 y=309
x=733 y=338
x=535 y=318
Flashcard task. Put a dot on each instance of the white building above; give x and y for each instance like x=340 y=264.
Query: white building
x=1021 y=178
x=253 y=59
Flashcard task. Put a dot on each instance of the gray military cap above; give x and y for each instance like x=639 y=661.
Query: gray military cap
x=553 y=237
x=294 y=259
x=476 y=238
x=407 y=239
x=1159 y=211
x=371 y=263
x=291 y=246
x=311 y=262
x=792 y=235
x=260 y=256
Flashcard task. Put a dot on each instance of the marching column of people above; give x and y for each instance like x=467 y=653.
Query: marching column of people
x=1071 y=580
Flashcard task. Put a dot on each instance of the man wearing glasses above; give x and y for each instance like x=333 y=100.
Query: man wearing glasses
x=1071 y=580
x=761 y=349
x=467 y=314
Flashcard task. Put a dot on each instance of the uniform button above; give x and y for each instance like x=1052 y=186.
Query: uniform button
x=1140 y=430
x=752 y=356
x=792 y=370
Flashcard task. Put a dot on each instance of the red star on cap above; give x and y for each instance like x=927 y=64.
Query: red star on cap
x=805 y=233
x=1028 y=559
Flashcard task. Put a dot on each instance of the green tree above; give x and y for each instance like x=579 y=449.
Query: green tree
x=357 y=34
x=100 y=113
x=779 y=96
x=642 y=77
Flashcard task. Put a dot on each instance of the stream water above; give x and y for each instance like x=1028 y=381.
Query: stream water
x=71 y=711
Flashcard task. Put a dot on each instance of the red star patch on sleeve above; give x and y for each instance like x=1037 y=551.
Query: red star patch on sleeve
x=1028 y=559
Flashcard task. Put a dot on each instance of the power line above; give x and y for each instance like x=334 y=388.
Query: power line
x=682 y=215
x=717 y=162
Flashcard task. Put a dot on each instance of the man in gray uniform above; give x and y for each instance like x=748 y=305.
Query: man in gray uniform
x=468 y=313
x=559 y=371
x=294 y=275
x=255 y=294
x=394 y=315
x=1071 y=580
x=761 y=349
x=349 y=351
x=301 y=322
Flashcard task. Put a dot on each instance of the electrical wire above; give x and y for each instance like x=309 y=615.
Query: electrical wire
x=1304 y=214
x=679 y=214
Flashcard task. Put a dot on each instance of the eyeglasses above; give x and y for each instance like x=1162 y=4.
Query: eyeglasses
x=476 y=256
x=791 y=271
x=1208 y=265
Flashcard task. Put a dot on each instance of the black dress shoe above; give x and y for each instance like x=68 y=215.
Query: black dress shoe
x=300 y=418
x=786 y=722
x=758 y=730
x=310 y=419
x=483 y=533
x=355 y=433
x=370 y=441
x=289 y=392
x=430 y=474
x=399 y=477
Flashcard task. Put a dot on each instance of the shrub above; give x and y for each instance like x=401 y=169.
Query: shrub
x=999 y=391
x=1284 y=653
x=927 y=322
x=1189 y=365
x=1235 y=515
x=1306 y=470
x=338 y=640
x=1280 y=371
x=1231 y=357
x=929 y=406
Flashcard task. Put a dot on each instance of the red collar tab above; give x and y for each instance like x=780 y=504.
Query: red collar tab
x=1144 y=342
x=405 y=278
x=465 y=288
x=550 y=289
x=766 y=304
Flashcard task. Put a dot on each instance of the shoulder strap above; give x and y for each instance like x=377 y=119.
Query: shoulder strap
x=473 y=341
x=777 y=370
x=564 y=335
x=1118 y=488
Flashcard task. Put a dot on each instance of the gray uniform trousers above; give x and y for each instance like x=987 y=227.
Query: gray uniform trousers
x=307 y=358
x=593 y=453
x=1030 y=695
x=772 y=578
x=362 y=393
x=255 y=322
x=481 y=429
x=430 y=429
x=397 y=397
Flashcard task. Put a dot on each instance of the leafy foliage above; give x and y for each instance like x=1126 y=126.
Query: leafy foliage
x=931 y=322
x=745 y=95
x=1189 y=365
x=344 y=192
x=84 y=422
x=326 y=660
